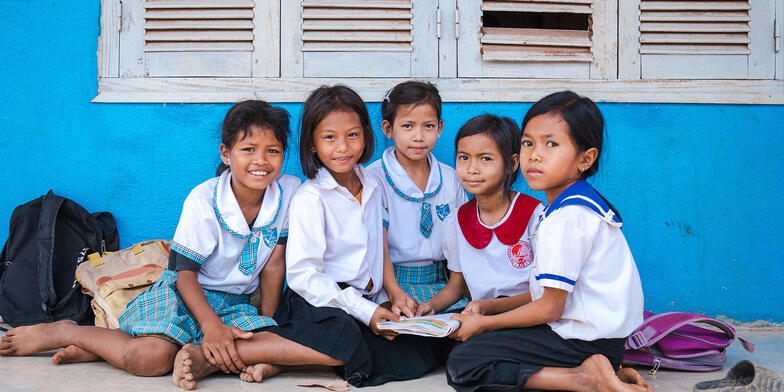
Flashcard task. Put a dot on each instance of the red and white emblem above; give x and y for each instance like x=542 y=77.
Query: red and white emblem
x=520 y=254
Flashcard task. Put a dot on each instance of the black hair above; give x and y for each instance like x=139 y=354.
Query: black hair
x=412 y=92
x=505 y=134
x=585 y=122
x=321 y=102
x=582 y=116
x=246 y=115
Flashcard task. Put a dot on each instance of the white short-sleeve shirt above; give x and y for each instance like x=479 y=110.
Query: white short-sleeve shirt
x=407 y=245
x=210 y=210
x=581 y=252
x=494 y=260
x=333 y=238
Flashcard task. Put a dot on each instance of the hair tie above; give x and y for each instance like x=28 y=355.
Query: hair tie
x=386 y=97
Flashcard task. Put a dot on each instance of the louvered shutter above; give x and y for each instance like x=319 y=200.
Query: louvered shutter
x=719 y=39
x=199 y=38
x=536 y=52
x=371 y=38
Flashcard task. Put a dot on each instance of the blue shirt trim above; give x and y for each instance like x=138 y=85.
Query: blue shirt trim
x=584 y=189
x=555 y=277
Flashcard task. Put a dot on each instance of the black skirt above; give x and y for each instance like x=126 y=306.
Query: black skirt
x=369 y=359
x=503 y=360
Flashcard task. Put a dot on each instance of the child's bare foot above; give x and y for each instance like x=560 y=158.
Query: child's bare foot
x=190 y=365
x=73 y=354
x=256 y=373
x=599 y=376
x=31 y=339
x=631 y=376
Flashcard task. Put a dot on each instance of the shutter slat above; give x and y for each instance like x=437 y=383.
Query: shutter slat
x=311 y=46
x=230 y=24
x=198 y=35
x=354 y=13
x=535 y=37
x=694 y=6
x=198 y=46
x=351 y=36
x=550 y=7
x=357 y=26
x=198 y=14
x=384 y=4
x=695 y=17
x=164 y=4
x=535 y=54
x=695 y=49
x=696 y=27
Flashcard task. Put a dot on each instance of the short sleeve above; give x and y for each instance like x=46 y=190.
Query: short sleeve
x=197 y=233
x=450 y=243
x=178 y=262
x=562 y=250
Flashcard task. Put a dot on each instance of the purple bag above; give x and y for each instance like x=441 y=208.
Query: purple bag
x=669 y=340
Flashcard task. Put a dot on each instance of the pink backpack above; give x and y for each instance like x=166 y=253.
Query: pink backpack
x=669 y=340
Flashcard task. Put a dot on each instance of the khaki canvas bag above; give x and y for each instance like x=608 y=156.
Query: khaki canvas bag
x=115 y=278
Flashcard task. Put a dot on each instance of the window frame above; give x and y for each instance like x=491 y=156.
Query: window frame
x=113 y=87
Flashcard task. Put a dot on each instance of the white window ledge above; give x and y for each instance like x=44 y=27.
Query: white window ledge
x=213 y=90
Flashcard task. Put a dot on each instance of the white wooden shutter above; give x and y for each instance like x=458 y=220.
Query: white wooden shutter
x=371 y=38
x=200 y=38
x=537 y=52
x=718 y=39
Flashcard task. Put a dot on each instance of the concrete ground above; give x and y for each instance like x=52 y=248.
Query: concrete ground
x=37 y=373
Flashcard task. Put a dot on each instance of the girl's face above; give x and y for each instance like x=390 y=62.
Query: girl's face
x=480 y=165
x=549 y=159
x=339 y=141
x=255 y=160
x=415 y=130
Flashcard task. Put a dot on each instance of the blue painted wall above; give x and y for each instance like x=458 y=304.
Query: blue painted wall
x=699 y=186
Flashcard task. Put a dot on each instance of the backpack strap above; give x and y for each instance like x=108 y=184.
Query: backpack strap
x=46 y=224
x=658 y=326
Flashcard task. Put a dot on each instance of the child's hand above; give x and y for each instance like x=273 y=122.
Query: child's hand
x=470 y=325
x=480 y=306
x=425 y=309
x=380 y=315
x=403 y=304
x=219 y=348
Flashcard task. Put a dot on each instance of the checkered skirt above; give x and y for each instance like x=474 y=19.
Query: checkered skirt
x=161 y=310
x=422 y=283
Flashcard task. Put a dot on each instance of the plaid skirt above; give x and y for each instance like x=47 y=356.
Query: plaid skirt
x=161 y=311
x=422 y=283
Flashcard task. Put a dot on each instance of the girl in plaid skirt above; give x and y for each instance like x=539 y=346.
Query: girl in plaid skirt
x=230 y=241
x=419 y=194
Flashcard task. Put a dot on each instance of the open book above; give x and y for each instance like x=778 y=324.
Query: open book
x=438 y=325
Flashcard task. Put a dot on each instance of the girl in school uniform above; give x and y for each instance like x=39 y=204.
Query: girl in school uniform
x=585 y=293
x=335 y=252
x=418 y=194
x=229 y=242
x=488 y=241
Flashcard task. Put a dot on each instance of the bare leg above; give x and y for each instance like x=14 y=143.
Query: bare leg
x=143 y=356
x=271 y=351
x=258 y=372
x=595 y=374
x=73 y=354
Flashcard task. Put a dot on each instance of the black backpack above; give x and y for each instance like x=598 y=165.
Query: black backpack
x=48 y=238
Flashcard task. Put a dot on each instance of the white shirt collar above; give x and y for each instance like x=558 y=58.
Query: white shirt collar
x=230 y=211
x=326 y=181
x=401 y=179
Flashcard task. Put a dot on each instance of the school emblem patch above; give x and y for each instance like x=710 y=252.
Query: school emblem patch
x=442 y=210
x=270 y=235
x=520 y=254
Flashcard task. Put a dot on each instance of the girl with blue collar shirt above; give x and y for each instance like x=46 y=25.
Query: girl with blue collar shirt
x=585 y=292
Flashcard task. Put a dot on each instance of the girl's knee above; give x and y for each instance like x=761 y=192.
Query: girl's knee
x=149 y=358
